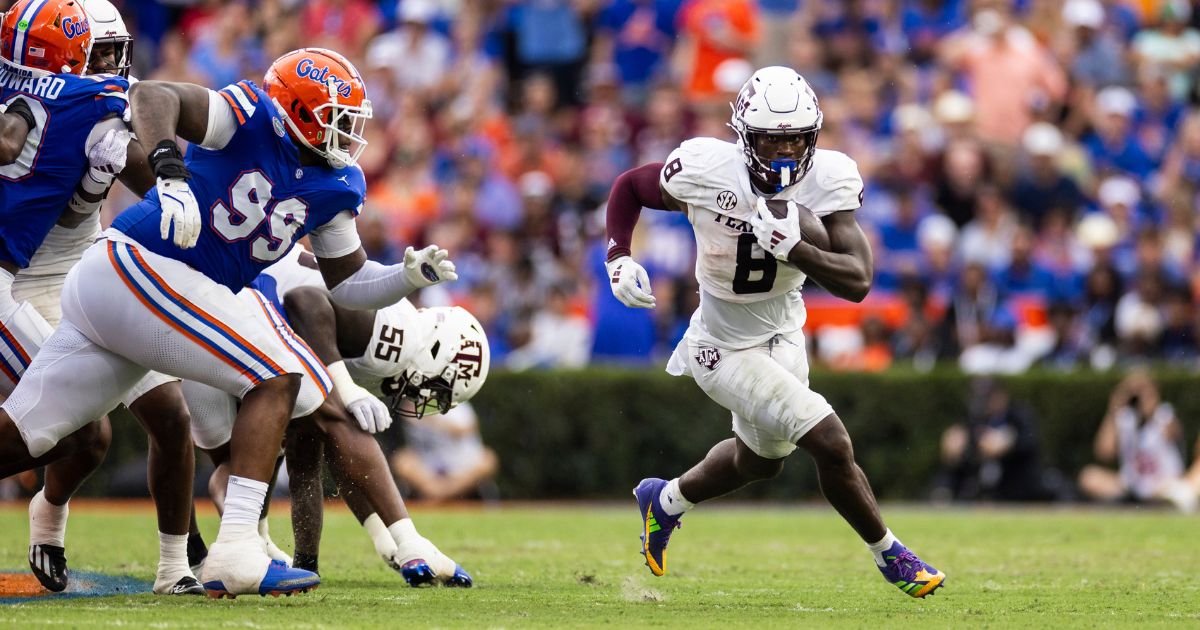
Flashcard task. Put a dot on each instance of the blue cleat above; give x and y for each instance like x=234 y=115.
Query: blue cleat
x=909 y=573
x=657 y=525
x=460 y=579
x=418 y=573
x=279 y=580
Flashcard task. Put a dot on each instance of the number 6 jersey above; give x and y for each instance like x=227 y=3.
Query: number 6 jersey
x=255 y=197
x=746 y=296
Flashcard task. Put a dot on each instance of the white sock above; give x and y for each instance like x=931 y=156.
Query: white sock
x=244 y=500
x=403 y=531
x=877 y=548
x=672 y=499
x=47 y=522
x=172 y=556
x=264 y=529
x=380 y=536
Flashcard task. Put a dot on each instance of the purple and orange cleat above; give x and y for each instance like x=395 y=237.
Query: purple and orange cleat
x=657 y=525
x=909 y=573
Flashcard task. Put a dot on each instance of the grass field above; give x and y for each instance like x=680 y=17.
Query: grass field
x=738 y=566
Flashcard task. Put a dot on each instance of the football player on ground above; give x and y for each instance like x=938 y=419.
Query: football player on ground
x=270 y=165
x=39 y=285
x=745 y=347
x=421 y=361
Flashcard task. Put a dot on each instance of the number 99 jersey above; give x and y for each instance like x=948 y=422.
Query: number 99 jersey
x=255 y=197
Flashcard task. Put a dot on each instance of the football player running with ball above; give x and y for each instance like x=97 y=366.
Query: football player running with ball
x=747 y=203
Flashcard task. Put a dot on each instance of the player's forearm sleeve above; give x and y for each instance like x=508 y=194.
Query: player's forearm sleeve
x=373 y=286
x=635 y=189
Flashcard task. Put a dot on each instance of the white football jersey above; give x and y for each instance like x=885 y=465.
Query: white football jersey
x=746 y=295
x=398 y=335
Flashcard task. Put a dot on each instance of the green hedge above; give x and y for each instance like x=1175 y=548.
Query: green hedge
x=595 y=433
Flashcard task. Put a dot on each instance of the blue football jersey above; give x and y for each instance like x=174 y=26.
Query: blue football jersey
x=256 y=199
x=36 y=188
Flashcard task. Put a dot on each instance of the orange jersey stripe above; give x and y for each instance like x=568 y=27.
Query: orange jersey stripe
x=247 y=90
x=236 y=108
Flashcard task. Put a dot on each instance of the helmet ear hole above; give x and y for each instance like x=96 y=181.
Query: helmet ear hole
x=301 y=111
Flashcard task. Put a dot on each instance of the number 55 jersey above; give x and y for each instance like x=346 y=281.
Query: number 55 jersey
x=746 y=296
x=255 y=197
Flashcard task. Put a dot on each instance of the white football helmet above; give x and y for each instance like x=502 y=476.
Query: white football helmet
x=777 y=119
x=108 y=28
x=448 y=370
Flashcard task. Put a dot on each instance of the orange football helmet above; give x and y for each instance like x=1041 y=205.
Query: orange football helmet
x=324 y=100
x=50 y=35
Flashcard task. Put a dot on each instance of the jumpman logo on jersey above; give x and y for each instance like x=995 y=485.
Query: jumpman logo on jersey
x=344 y=180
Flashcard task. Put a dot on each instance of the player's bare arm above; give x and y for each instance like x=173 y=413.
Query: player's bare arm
x=136 y=175
x=163 y=110
x=15 y=124
x=334 y=332
x=847 y=269
x=331 y=331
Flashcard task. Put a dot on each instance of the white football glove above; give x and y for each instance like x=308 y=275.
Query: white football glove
x=179 y=210
x=429 y=266
x=629 y=283
x=777 y=236
x=109 y=153
x=370 y=412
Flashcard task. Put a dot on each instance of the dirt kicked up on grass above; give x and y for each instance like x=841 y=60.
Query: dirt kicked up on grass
x=574 y=566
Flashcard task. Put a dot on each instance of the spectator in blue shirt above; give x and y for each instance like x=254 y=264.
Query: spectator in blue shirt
x=637 y=36
x=1024 y=275
x=1113 y=145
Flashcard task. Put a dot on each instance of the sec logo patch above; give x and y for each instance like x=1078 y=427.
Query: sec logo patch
x=726 y=200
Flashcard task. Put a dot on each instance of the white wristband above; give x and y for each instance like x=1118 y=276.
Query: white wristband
x=345 y=386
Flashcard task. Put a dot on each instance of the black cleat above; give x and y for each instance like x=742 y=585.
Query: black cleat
x=187 y=585
x=49 y=565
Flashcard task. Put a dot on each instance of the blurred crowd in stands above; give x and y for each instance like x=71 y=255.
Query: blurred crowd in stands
x=1031 y=166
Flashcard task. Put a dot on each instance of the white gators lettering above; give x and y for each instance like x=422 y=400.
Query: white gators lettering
x=253 y=206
